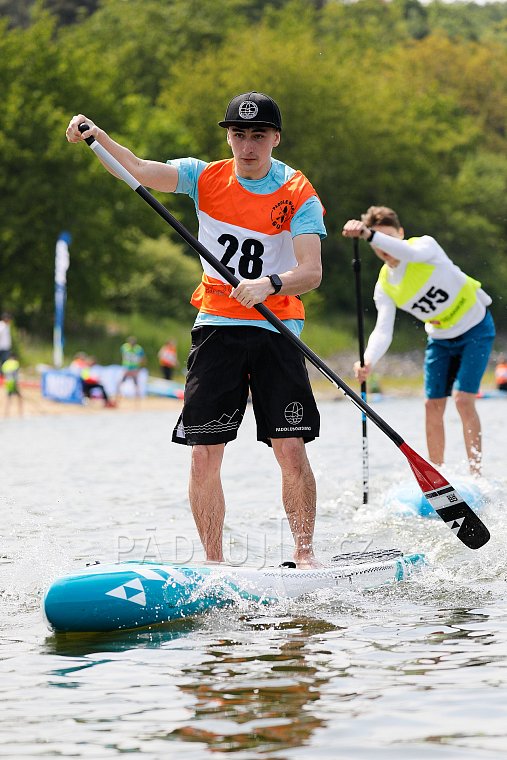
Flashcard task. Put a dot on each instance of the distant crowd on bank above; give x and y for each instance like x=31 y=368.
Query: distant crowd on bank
x=133 y=360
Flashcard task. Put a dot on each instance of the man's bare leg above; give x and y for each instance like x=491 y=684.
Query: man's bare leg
x=207 y=498
x=299 y=496
x=435 y=433
x=465 y=404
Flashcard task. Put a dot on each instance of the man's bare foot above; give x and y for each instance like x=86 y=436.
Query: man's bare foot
x=307 y=563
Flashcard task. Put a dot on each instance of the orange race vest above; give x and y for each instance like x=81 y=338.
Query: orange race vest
x=168 y=357
x=250 y=234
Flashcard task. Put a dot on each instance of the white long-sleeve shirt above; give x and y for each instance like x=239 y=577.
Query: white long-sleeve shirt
x=423 y=250
x=5 y=336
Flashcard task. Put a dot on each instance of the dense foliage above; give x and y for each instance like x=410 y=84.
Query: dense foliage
x=393 y=103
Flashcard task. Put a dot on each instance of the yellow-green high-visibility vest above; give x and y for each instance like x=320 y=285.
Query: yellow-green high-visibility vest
x=440 y=295
x=10 y=367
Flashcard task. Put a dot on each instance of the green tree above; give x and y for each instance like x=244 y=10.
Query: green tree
x=162 y=282
x=353 y=123
x=382 y=103
x=16 y=12
x=44 y=192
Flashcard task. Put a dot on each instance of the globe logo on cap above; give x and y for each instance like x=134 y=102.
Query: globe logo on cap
x=248 y=109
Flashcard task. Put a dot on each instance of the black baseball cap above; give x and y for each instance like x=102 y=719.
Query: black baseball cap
x=252 y=109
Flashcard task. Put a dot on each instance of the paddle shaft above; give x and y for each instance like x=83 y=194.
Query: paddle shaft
x=356 y=265
x=443 y=497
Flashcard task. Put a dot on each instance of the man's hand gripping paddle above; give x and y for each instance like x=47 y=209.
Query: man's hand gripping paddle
x=442 y=496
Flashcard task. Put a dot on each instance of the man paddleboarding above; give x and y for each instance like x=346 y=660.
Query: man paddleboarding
x=420 y=278
x=264 y=221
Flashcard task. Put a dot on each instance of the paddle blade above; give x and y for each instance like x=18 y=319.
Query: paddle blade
x=447 y=502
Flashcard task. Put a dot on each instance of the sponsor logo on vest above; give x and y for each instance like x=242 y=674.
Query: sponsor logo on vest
x=457 y=307
x=281 y=213
x=294 y=413
x=216 y=290
x=248 y=109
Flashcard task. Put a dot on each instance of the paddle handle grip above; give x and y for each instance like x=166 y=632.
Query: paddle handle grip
x=108 y=160
x=84 y=128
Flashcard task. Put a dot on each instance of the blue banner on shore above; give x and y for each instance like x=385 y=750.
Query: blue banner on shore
x=62 y=385
x=61 y=266
x=65 y=384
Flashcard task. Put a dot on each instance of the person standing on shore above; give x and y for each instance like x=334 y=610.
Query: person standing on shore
x=132 y=361
x=5 y=338
x=419 y=278
x=264 y=221
x=168 y=359
x=10 y=371
x=501 y=373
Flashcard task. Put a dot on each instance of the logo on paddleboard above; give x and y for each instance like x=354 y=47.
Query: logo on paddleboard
x=133 y=591
x=294 y=413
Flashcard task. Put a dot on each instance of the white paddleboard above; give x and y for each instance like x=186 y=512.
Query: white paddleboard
x=107 y=597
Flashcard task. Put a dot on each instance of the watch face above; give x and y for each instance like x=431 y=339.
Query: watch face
x=276 y=282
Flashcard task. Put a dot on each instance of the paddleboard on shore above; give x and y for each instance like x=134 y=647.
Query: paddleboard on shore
x=495 y=393
x=167 y=388
x=133 y=594
x=407 y=499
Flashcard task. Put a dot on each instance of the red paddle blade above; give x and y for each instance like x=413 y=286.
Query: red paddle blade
x=447 y=502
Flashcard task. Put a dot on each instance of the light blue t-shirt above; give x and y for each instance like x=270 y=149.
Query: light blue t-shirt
x=307 y=220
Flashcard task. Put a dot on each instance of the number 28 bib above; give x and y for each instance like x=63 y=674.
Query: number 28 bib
x=250 y=234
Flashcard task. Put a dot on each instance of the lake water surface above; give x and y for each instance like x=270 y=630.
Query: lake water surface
x=415 y=670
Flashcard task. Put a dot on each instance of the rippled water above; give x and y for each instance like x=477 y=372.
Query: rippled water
x=417 y=670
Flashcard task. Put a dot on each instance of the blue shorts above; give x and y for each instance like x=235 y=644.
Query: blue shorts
x=458 y=363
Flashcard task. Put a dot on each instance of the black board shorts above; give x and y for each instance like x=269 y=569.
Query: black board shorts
x=224 y=364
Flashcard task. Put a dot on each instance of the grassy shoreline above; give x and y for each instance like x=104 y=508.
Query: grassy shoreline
x=334 y=340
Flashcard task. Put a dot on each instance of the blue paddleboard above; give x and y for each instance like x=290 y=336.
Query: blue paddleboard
x=134 y=594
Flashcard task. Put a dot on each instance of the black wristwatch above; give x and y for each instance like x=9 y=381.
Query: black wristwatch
x=370 y=236
x=276 y=282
